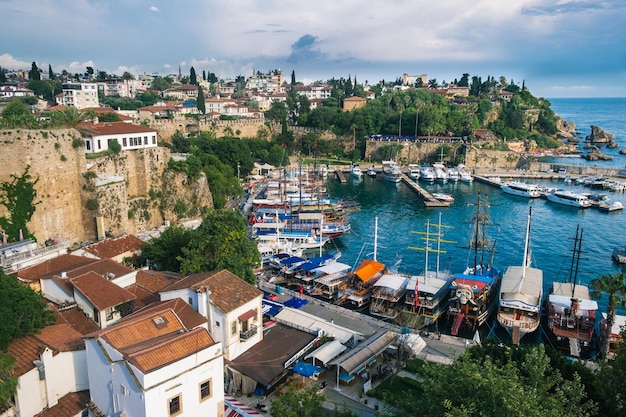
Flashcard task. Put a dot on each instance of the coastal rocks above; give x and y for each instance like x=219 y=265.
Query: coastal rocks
x=567 y=130
x=596 y=155
x=623 y=151
x=600 y=137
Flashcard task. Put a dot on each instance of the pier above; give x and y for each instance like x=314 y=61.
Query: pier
x=429 y=200
x=340 y=176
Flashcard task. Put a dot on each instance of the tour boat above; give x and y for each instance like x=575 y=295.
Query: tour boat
x=355 y=171
x=569 y=198
x=392 y=172
x=521 y=189
x=520 y=295
x=413 y=172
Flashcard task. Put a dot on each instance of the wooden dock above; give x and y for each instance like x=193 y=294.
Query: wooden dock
x=429 y=200
x=340 y=176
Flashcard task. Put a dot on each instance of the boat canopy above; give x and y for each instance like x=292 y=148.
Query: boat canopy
x=368 y=269
x=357 y=357
x=303 y=320
x=565 y=288
x=392 y=281
x=527 y=289
x=332 y=268
x=430 y=284
x=566 y=302
x=327 y=352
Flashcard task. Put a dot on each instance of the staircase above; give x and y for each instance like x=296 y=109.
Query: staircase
x=574 y=347
x=457 y=324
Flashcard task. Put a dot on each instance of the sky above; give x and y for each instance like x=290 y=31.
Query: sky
x=557 y=48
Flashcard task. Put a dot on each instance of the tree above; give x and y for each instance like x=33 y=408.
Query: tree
x=50 y=72
x=615 y=287
x=200 y=101
x=127 y=76
x=192 y=76
x=204 y=75
x=293 y=79
x=23 y=311
x=221 y=242
x=19 y=197
x=8 y=381
x=72 y=118
x=89 y=72
x=34 y=74
x=16 y=114
x=3 y=75
x=161 y=83
x=165 y=252
x=298 y=403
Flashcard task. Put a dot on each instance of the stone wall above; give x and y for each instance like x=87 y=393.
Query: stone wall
x=60 y=167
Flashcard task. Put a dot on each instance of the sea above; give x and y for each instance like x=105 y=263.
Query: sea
x=401 y=217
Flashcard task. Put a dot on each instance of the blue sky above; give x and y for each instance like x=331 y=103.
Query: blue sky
x=559 y=48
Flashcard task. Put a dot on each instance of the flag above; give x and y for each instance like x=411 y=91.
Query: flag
x=301 y=290
x=21 y=235
x=416 y=293
x=252 y=219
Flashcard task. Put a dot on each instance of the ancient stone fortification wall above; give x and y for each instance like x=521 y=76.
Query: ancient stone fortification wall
x=59 y=167
x=428 y=152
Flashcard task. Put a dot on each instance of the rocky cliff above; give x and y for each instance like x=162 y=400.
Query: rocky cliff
x=129 y=193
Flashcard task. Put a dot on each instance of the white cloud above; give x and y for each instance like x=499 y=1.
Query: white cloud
x=154 y=9
x=9 y=62
x=77 y=67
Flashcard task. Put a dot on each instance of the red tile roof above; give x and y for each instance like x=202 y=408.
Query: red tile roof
x=154 y=340
x=143 y=297
x=110 y=248
x=100 y=292
x=77 y=319
x=54 y=266
x=58 y=337
x=69 y=405
x=155 y=281
x=116 y=128
x=187 y=315
x=228 y=291
x=106 y=268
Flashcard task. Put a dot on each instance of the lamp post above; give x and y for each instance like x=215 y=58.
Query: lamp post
x=238 y=170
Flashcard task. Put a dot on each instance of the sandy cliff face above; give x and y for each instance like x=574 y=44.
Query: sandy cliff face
x=131 y=192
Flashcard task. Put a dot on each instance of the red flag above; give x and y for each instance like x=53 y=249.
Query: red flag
x=301 y=290
x=416 y=293
x=252 y=219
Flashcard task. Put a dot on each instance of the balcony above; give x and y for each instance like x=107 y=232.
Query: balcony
x=245 y=335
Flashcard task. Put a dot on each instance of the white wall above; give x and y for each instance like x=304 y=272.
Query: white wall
x=51 y=291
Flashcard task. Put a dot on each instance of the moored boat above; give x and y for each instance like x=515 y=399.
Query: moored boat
x=391 y=171
x=413 y=171
x=388 y=295
x=571 y=313
x=619 y=255
x=520 y=296
x=569 y=198
x=371 y=172
x=474 y=293
x=427 y=173
x=355 y=171
x=444 y=197
x=521 y=189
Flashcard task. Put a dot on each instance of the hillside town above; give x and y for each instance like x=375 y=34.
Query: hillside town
x=135 y=341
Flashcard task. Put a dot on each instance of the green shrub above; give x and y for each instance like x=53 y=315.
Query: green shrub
x=92 y=204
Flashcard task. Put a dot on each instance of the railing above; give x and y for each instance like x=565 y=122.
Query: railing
x=248 y=333
x=12 y=263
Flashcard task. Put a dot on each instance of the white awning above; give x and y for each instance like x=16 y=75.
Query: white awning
x=395 y=282
x=327 y=352
x=312 y=324
x=332 y=268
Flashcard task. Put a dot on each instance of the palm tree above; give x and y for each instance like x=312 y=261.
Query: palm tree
x=615 y=287
x=71 y=117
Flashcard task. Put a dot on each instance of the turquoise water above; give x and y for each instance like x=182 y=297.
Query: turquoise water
x=607 y=113
x=400 y=211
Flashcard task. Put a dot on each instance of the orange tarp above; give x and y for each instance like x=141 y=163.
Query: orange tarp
x=368 y=269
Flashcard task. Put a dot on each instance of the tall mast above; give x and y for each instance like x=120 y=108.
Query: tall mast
x=375 y=237
x=580 y=241
x=530 y=209
x=476 y=231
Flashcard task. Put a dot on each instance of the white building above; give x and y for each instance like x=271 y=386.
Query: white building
x=153 y=365
x=79 y=95
x=51 y=368
x=232 y=307
x=128 y=135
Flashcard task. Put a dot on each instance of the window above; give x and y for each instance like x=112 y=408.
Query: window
x=145 y=140
x=124 y=142
x=233 y=327
x=153 y=140
x=175 y=406
x=205 y=390
x=88 y=145
x=109 y=313
x=99 y=145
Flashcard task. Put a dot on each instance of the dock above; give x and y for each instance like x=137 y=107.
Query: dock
x=429 y=200
x=340 y=176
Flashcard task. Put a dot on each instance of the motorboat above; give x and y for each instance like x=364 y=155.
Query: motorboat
x=413 y=172
x=521 y=291
x=392 y=172
x=569 y=198
x=464 y=174
x=441 y=172
x=355 y=171
x=427 y=173
x=371 y=172
x=444 y=197
x=521 y=189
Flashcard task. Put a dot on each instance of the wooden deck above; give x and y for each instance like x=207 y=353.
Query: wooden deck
x=429 y=200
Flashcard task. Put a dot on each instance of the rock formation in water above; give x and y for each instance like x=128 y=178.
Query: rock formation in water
x=600 y=137
x=596 y=155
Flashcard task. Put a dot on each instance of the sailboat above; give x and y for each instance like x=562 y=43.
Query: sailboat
x=473 y=293
x=520 y=295
x=429 y=299
x=570 y=310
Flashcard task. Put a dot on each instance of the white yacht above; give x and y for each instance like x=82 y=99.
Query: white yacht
x=355 y=171
x=392 y=172
x=569 y=198
x=427 y=173
x=441 y=172
x=413 y=172
x=521 y=189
